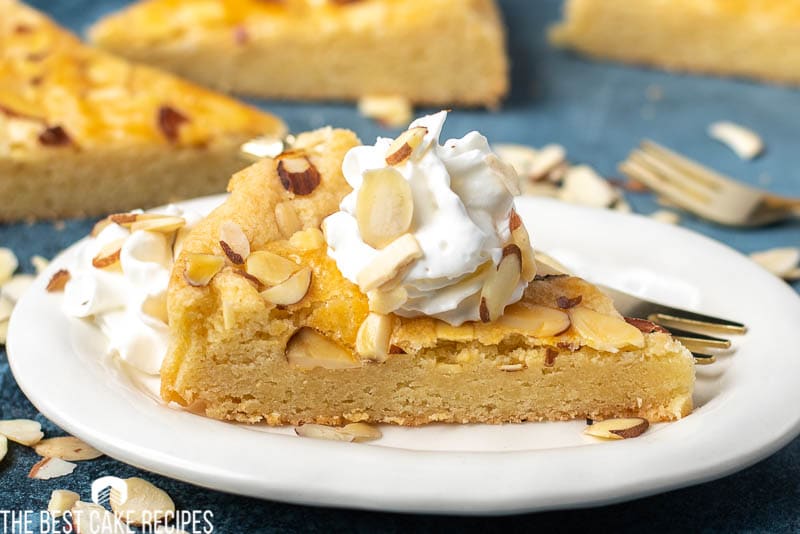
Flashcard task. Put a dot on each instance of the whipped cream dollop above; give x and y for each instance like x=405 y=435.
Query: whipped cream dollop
x=128 y=303
x=462 y=202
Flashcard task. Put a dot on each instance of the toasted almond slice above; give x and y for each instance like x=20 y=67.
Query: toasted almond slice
x=90 y=518
x=234 y=242
x=156 y=307
x=3 y=447
x=311 y=430
x=8 y=264
x=779 y=261
x=308 y=239
x=146 y=504
x=49 y=468
x=67 y=448
x=290 y=291
x=127 y=220
x=548 y=159
x=390 y=110
x=108 y=256
x=3 y=332
x=520 y=237
x=745 y=142
x=101 y=225
x=362 y=432
x=23 y=431
x=200 y=269
x=6 y=307
x=646 y=327
x=534 y=320
x=298 y=175
x=269 y=268
x=17 y=286
x=666 y=216
x=384 y=207
x=164 y=224
x=58 y=281
x=388 y=262
x=401 y=148
x=604 y=332
x=308 y=349
x=582 y=185
x=623 y=428
x=374 y=334
x=287 y=219
x=500 y=285
x=505 y=172
x=61 y=501
x=521 y=157
x=387 y=301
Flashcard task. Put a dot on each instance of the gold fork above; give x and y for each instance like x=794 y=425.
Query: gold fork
x=704 y=192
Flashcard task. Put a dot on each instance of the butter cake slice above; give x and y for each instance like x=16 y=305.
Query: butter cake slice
x=85 y=133
x=748 y=38
x=266 y=325
x=441 y=52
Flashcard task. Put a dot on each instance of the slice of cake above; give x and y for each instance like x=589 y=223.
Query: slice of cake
x=749 y=38
x=395 y=283
x=442 y=52
x=85 y=133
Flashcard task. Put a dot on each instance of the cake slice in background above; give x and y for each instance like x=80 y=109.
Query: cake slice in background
x=85 y=133
x=748 y=38
x=439 y=52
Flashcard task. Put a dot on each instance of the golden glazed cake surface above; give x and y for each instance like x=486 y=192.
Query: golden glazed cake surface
x=749 y=38
x=228 y=344
x=83 y=132
x=440 y=52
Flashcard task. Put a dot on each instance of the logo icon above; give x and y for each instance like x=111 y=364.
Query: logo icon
x=104 y=487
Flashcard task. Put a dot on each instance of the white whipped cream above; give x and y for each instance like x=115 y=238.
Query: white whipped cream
x=461 y=217
x=117 y=300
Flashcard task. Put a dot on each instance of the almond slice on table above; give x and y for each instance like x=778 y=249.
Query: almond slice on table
x=58 y=281
x=404 y=146
x=298 y=175
x=388 y=262
x=234 y=242
x=90 y=518
x=743 y=141
x=583 y=186
x=6 y=307
x=548 y=159
x=520 y=237
x=8 y=264
x=384 y=208
x=537 y=321
x=290 y=291
x=308 y=349
x=270 y=269
x=3 y=447
x=145 y=504
x=67 y=448
x=61 y=501
x=780 y=261
x=108 y=255
x=16 y=286
x=48 y=468
x=200 y=269
x=374 y=334
x=623 y=428
x=23 y=431
x=164 y=224
x=500 y=284
x=604 y=332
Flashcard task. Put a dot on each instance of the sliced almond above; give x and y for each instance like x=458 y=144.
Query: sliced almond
x=108 y=256
x=308 y=349
x=6 y=307
x=374 y=334
x=17 y=286
x=164 y=224
x=287 y=219
x=604 y=332
x=127 y=220
x=511 y=367
x=307 y=240
x=582 y=185
x=146 y=504
x=566 y=303
x=61 y=501
x=779 y=261
x=505 y=172
x=263 y=147
x=548 y=159
x=23 y=431
x=311 y=430
x=8 y=264
x=401 y=148
x=234 y=242
x=387 y=301
x=534 y=320
x=269 y=268
x=90 y=518
x=362 y=432
x=3 y=447
x=623 y=428
x=520 y=237
x=501 y=284
x=745 y=142
x=200 y=269
x=39 y=263
x=290 y=291
x=67 y=448
x=384 y=208
x=298 y=175
x=666 y=216
x=156 y=307
x=388 y=262
x=49 y=468
x=58 y=281
x=646 y=327
x=3 y=332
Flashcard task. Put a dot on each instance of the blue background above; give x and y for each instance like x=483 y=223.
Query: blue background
x=598 y=112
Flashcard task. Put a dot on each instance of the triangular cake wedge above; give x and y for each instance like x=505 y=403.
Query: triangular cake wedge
x=85 y=133
x=266 y=328
x=442 y=52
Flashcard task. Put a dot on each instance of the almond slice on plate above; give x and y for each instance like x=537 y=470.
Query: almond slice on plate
x=308 y=349
x=49 y=468
x=311 y=430
x=67 y=448
x=384 y=208
x=623 y=428
x=500 y=285
x=23 y=431
x=362 y=432
x=374 y=334
x=58 y=281
x=200 y=269
x=401 y=148
x=145 y=504
x=388 y=262
x=270 y=269
x=234 y=242
x=290 y=291
x=61 y=501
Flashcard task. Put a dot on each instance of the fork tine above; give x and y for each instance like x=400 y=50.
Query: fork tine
x=673 y=175
x=694 y=339
x=637 y=172
x=691 y=167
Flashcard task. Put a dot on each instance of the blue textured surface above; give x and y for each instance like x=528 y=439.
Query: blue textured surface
x=599 y=112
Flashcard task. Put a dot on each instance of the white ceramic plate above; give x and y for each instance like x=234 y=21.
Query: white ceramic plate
x=747 y=402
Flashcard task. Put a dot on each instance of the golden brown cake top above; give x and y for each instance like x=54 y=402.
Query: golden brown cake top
x=55 y=91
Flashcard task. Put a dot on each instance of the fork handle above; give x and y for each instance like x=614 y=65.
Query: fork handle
x=783 y=203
